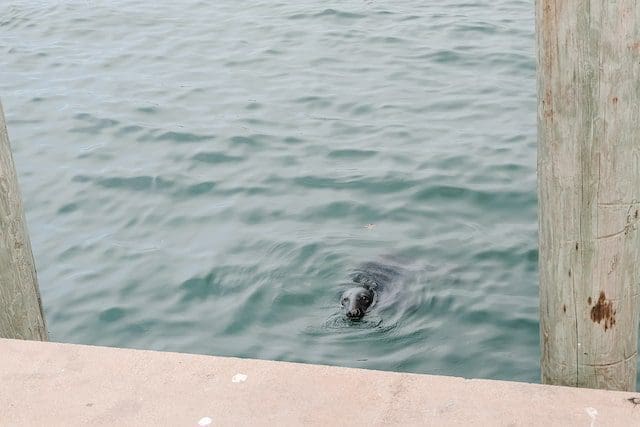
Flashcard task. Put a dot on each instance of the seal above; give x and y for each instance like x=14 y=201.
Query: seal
x=356 y=301
x=367 y=282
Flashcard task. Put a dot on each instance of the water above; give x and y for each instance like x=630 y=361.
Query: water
x=202 y=177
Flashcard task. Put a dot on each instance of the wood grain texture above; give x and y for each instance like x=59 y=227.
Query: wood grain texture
x=21 y=314
x=588 y=55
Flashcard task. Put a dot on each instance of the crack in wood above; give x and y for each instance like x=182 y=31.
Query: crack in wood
x=603 y=365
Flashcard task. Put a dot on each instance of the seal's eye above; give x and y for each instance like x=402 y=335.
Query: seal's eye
x=344 y=301
x=364 y=298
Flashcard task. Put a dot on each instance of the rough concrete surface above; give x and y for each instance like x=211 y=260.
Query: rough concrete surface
x=51 y=384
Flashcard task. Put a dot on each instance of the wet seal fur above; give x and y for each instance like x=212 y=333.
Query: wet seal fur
x=367 y=283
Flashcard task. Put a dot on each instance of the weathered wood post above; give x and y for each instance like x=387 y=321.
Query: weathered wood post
x=21 y=314
x=589 y=190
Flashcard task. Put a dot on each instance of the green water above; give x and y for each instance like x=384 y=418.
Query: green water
x=198 y=176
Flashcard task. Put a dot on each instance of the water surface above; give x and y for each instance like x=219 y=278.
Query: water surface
x=203 y=176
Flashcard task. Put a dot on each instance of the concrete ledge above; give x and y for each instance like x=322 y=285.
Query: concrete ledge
x=68 y=385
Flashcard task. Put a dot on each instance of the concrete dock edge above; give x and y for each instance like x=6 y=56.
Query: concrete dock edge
x=53 y=384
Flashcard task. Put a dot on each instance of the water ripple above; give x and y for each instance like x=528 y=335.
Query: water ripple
x=203 y=177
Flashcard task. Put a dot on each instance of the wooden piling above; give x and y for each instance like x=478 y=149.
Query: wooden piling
x=588 y=55
x=21 y=314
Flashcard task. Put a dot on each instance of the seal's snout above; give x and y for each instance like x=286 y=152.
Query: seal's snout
x=356 y=313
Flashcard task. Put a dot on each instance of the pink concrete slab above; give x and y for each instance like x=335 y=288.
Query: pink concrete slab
x=50 y=384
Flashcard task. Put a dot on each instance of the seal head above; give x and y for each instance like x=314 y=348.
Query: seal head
x=356 y=301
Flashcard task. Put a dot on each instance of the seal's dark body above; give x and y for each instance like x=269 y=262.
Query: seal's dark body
x=375 y=275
